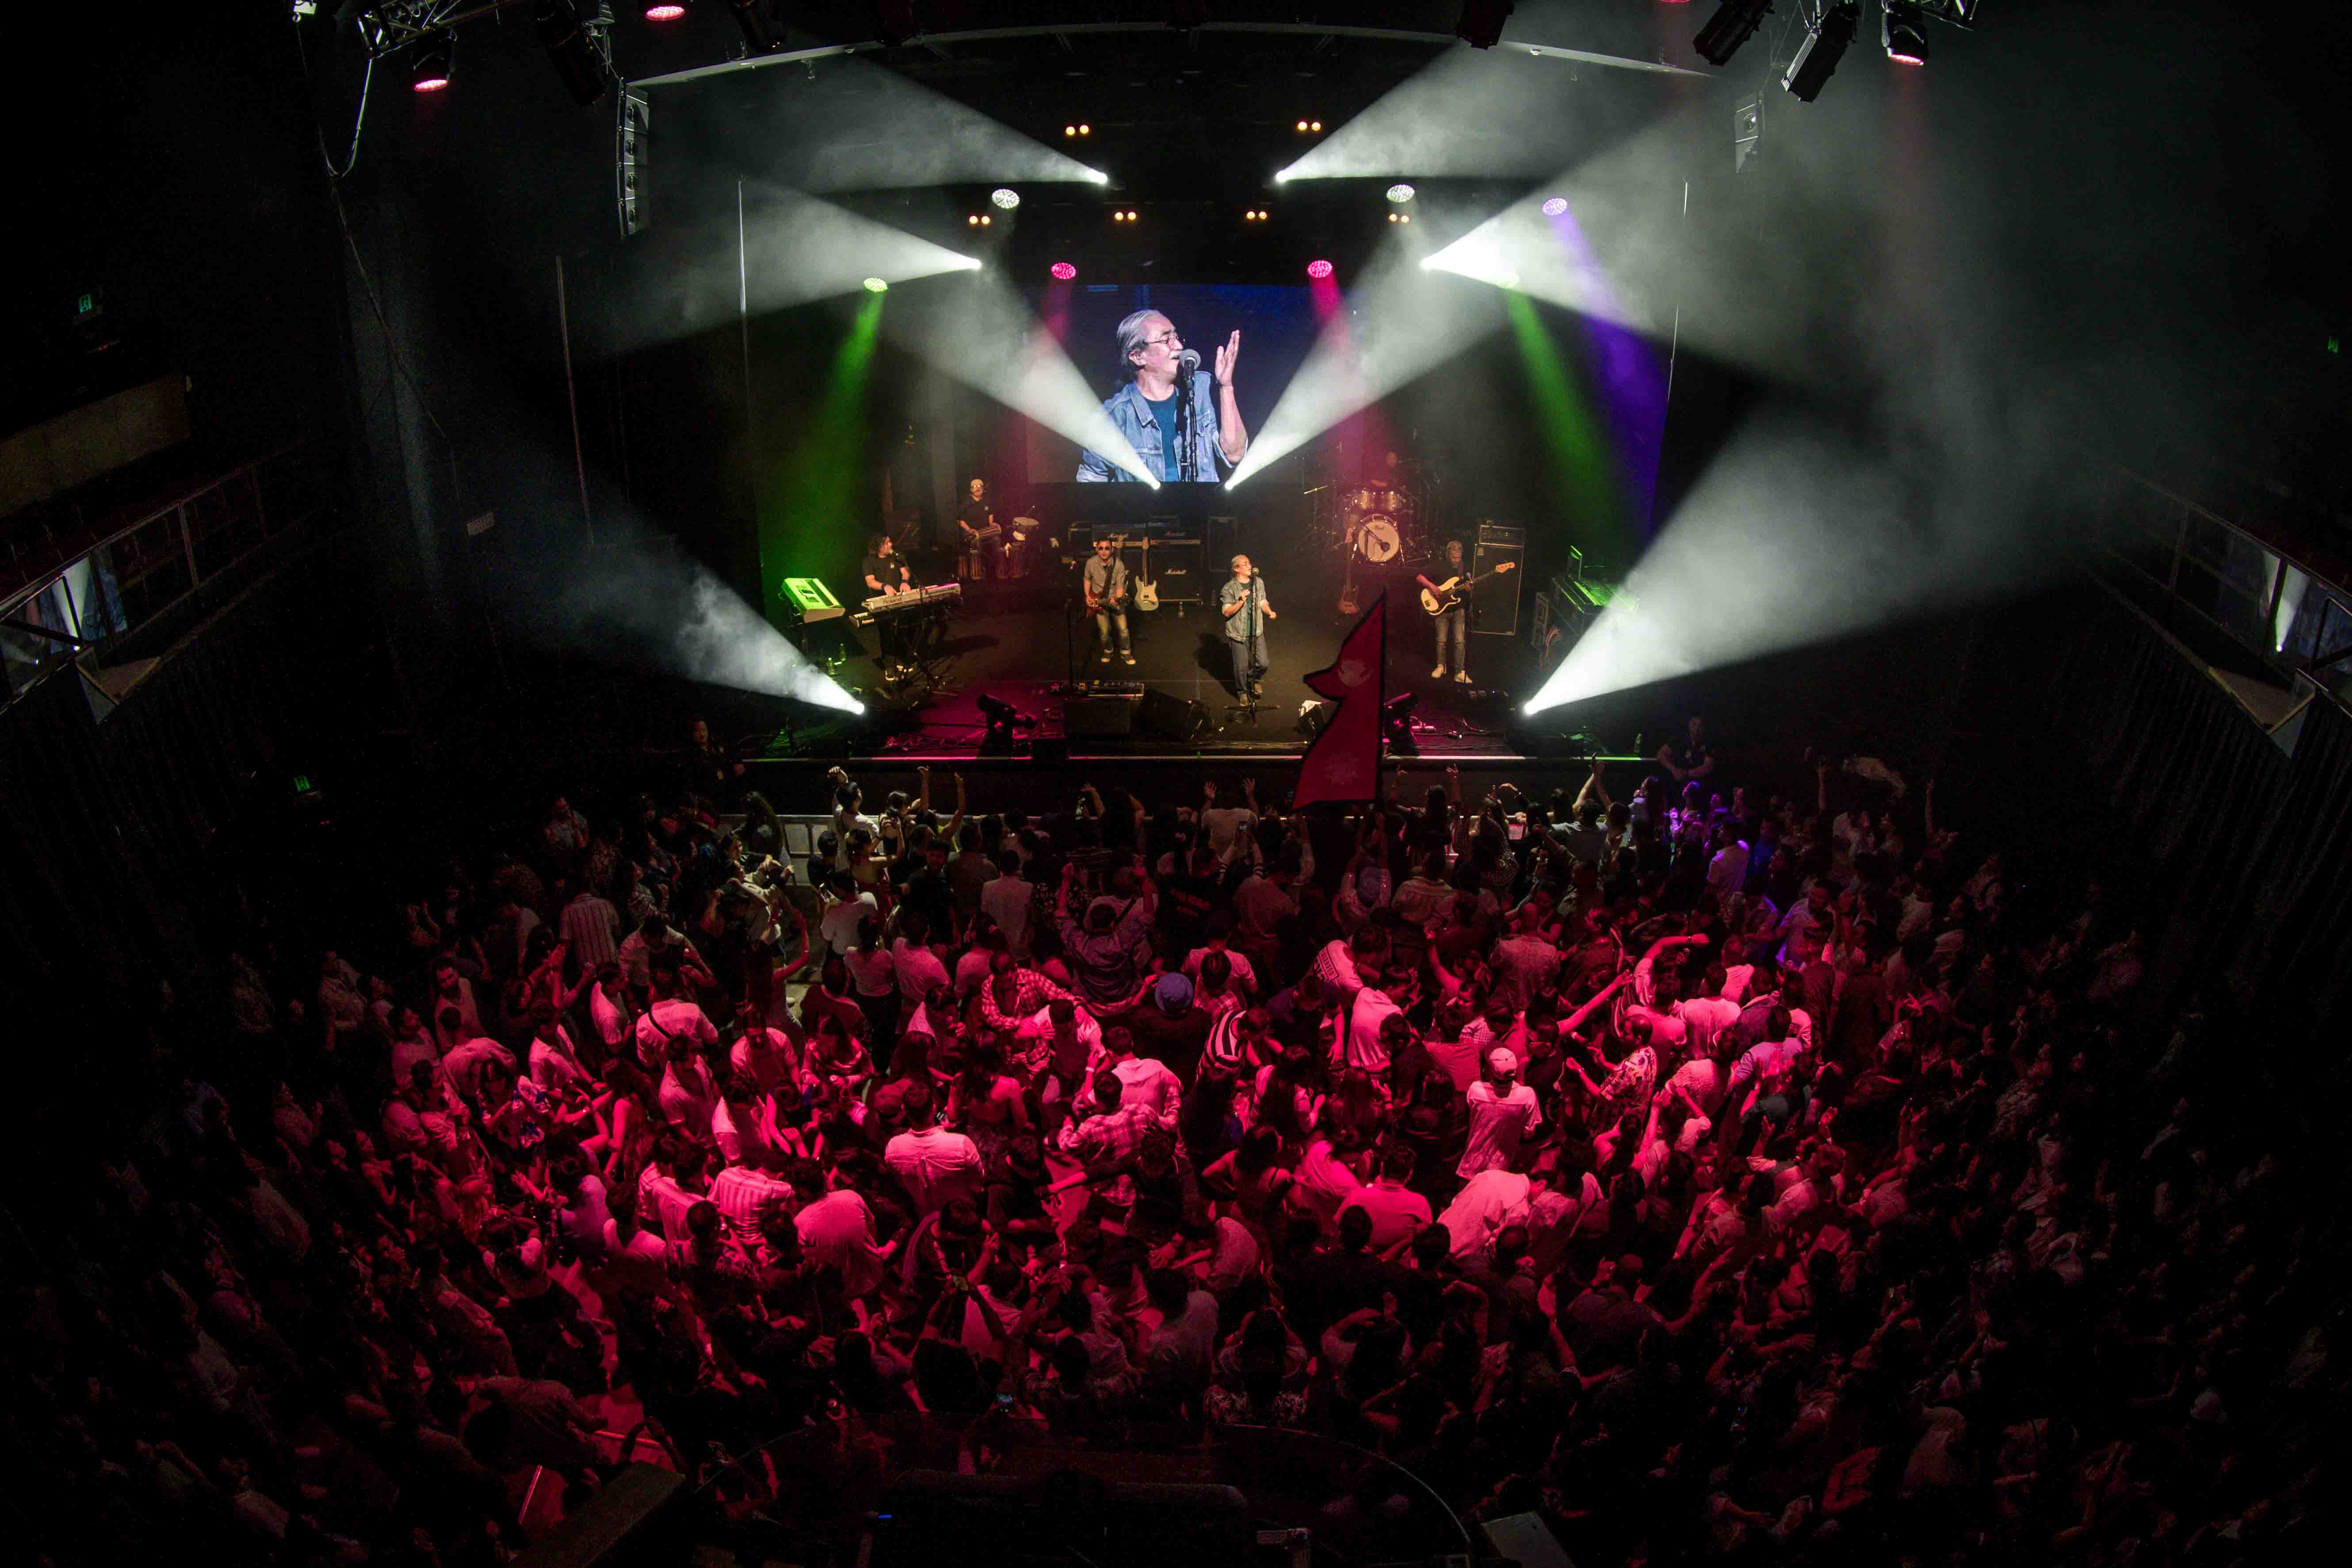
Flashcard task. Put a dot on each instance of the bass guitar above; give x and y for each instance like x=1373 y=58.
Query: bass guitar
x=1448 y=594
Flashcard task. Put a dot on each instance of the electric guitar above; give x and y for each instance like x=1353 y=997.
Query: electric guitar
x=1147 y=592
x=1448 y=594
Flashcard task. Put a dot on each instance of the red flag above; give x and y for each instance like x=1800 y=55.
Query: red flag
x=1343 y=762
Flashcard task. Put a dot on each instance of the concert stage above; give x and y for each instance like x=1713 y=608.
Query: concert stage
x=1174 y=701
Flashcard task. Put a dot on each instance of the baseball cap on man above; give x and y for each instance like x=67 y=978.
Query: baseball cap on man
x=1501 y=1059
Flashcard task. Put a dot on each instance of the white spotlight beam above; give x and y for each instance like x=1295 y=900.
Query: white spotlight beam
x=1401 y=323
x=856 y=126
x=1794 y=538
x=1470 y=114
x=1551 y=259
x=980 y=332
x=671 y=283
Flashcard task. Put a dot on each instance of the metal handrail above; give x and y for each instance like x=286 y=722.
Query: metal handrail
x=80 y=609
x=2320 y=617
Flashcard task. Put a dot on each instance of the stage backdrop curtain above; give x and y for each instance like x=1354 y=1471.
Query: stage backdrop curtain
x=2252 y=848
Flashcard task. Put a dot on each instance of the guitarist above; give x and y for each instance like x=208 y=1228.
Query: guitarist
x=1452 y=623
x=1105 y=590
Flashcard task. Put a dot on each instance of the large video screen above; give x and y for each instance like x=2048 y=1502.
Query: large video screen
x=1130 y=340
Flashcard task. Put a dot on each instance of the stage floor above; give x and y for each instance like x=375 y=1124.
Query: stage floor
x=1039 y=659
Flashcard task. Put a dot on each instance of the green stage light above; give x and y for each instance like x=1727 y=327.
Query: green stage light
x=875 y=286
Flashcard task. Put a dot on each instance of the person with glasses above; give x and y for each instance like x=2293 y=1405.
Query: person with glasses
x=1105 y=589
x=1184 y=423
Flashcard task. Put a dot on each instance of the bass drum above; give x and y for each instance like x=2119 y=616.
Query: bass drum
x=1378 y=540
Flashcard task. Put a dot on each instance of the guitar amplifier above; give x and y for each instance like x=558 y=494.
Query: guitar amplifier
x=1495 y=602
x=1180 y=568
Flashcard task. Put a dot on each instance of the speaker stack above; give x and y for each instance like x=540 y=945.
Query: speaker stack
x=1494 y=600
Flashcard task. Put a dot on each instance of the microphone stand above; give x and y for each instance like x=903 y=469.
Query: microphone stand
x=1186 y=469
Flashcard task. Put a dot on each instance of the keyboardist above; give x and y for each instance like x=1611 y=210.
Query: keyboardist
x=886 y=572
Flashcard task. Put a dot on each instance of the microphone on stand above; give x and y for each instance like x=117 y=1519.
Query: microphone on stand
x=1191 y=359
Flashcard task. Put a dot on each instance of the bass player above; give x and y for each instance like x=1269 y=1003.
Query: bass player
x=1453 y=623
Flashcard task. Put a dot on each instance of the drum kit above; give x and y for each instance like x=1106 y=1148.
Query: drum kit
x=1379 y=526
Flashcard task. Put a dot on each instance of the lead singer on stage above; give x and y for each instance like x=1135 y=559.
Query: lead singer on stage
x=1242 y=601
x=1181 y=421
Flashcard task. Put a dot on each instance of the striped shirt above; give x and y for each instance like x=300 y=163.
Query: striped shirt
x=746 y=1197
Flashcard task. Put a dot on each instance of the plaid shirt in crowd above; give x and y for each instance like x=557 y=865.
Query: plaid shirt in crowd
x=1105 y=1143
x=1034 y=992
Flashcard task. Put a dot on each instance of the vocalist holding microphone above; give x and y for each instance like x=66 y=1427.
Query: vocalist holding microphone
x=1182 y=420
x=1242 y=601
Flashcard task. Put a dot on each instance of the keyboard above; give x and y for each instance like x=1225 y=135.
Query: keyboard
x=920 y=598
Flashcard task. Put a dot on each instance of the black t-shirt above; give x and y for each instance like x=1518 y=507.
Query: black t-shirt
x=974 y=513
x=885 y=569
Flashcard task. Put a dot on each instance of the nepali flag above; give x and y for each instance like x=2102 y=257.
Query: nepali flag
x=1343 y=762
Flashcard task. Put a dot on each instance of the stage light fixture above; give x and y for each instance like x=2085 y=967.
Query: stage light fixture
x=1318 y=268
x=1069 y=131
x=1400 y=193
x=1480 y=23
x=433 y=62
x=894 y=22
x=1734 y=22
x=876 y=286
x=1302 y=125
x=1063 y=270
x=1314 y=125
x=1005 y=196
x=1824 y=46
x=1903 y=32
x=1085 y=129
x=759 y=38
x=1554 y=208
x=574 y=37
x=665 y=10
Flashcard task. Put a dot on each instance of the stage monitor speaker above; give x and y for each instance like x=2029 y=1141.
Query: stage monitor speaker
x=1098 y=718
x=1495 y=602
x=1173 y=716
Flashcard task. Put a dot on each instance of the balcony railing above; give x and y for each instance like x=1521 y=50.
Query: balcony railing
x=2251 y=605
x=125 y=597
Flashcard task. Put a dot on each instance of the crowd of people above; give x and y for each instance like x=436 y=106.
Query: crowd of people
x=1719 y=1175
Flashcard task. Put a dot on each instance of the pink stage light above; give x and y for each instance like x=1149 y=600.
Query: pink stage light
x=1318 y=268
x=429 y=83
x=1063 y=270
x=665 y=11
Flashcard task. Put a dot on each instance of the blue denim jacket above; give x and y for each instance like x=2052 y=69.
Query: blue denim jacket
x=1132 y=416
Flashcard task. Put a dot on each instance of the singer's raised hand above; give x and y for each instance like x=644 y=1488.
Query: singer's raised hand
x=1227 y=352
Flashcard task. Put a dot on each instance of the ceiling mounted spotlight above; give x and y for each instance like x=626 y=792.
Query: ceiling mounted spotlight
x=1318 y=268
x=433 y=62
x=1400 y=192
x=1480 y=23
x=1903 y=32
x=1555 y=207
x=573 y=34
x=1069 y=131
x=759 y=37
x=1005 y=196
x=1085 y=129
x=875 y=286
x=894 y=22
x=1824 y=46
x=1731 y=26
x=1063 y=270
x=665 y=10
x=1302 y=125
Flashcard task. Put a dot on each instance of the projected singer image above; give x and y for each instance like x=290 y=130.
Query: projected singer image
x=1185 y=423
